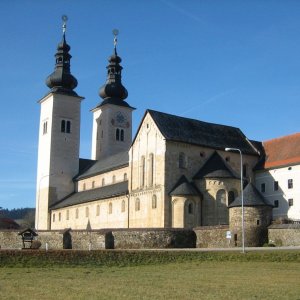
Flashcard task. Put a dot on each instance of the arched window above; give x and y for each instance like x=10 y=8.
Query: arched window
x=114 y=179
x=123 y=206
x=53 y=218
x=59 y=217
x=84 y=186
x=154 y=201
x=231 y=197
x=77 y=213
x=117 y=134
x=182 y=160
x=68 y=215
x=137 y=204
x=63 y=126
x=93 y=184
x=190 y=208
x=151 y=169
x=110 y=208
x=142 y=171
x=221 y=198
x=68 y=129
x=244 y=170
x=125 y=176
x=98 y=210
x=87 y=212
x=122 y=135
x=103 y=181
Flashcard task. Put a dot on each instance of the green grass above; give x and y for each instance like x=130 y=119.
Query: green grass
x=149 y=275
x=185 y=280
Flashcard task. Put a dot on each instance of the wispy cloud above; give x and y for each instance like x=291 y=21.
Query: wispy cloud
x=214 y=98
x=183 y=11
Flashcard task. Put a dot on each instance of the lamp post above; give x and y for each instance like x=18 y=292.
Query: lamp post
x=242 y=196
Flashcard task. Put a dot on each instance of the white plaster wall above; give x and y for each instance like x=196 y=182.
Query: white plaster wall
x=104 y=141
x=108 y=179
x=283 y=193
x=58 y=153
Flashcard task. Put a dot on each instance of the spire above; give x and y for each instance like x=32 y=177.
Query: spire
x=61 y=80
x=113 y=91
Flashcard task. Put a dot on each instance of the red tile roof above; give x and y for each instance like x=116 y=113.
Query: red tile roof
x=282 y=151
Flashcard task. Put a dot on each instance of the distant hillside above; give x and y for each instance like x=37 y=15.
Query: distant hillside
x=23 y=216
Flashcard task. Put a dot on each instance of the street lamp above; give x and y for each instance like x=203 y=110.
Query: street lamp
x=242 y=196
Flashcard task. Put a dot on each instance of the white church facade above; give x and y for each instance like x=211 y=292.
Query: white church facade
x=173 y=173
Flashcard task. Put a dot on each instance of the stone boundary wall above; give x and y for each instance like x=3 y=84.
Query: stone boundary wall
x=212 y=237
x=105 y=239
x=284 y=234
x=153 y=238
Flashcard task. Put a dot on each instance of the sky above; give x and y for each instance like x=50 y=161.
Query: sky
x=229 y=62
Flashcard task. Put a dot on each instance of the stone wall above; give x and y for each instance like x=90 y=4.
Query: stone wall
x=9 y=239
x=105 y=239
x=212 y=237
x=284 y=234
x=154 y=238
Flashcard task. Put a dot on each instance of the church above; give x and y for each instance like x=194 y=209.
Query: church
x=174 y=172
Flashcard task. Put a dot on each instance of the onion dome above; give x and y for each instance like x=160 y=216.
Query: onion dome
x=61 y=80
x=113 y=91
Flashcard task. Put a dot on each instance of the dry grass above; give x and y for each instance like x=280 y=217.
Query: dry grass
x=185 y=280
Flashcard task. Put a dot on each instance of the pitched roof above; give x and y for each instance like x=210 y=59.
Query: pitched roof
x=215 y=167
x=279 y=152
x=196 y=132
x=184 y=188
x=104 y=192
x=110 y=163
x=251 y=196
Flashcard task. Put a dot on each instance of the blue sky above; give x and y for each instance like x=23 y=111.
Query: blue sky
x=228 y=62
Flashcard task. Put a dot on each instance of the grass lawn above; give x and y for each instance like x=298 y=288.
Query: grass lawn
x=176 y=280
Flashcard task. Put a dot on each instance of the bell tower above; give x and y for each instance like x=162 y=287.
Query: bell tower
x=112 y=118
x=59 y=136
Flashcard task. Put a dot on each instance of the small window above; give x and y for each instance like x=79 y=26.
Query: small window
x=245 y=170
x=182 y=160
x=122 y=135
x=125 y=176
x=84 y=186
x=93 y=184
x=275 y=185
x=263 y=187
x=276 y=203
x=117 y=134
x=227 y=158
x=291 y=202
x=123 y=206
x=290 y=183
x=103 y=182
x=59 y=217
x=68 y=215
x=190 y=208
x=77 y=213
x=110 y=208
x=137 y=204
x=53 y=218
x=45 y=127
x=257 y=222
x=202 y=154
x=98 y=210
x=114 y=179
x=231 y=197
x=68 y=130
x=87 y=211
x=63 y=126
x=154 y=201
